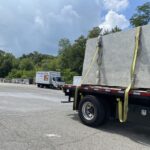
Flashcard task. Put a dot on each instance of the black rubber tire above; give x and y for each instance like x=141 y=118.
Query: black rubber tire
x=101 y=111
x=41 y=86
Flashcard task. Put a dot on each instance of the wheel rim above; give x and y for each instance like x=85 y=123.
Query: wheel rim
x=88 y=111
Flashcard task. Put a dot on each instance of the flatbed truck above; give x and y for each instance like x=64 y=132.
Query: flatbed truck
x=96 y=104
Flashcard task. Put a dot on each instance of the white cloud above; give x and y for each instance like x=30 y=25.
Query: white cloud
x=66 y=14
x=39 y=21
x=69 y=11
x=29 y=25
x=116 y=5
x=113 y=19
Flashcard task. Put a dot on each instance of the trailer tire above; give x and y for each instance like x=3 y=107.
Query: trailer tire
x=92 y=111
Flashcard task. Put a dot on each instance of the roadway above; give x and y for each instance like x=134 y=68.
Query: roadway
x=34 y=119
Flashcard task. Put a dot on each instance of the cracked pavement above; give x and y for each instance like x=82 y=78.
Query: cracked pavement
x=34 y=119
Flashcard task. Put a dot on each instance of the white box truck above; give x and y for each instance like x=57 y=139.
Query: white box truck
x=49 y=79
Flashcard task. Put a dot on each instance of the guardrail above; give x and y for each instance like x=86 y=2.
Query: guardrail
x=17 y=80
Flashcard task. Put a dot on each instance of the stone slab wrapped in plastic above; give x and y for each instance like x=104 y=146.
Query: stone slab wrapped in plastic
x=112 y=64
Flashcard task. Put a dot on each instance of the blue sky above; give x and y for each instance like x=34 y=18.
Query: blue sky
x=38 y=25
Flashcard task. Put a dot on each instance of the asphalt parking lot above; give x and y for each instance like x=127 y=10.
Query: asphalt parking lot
x=34 y=119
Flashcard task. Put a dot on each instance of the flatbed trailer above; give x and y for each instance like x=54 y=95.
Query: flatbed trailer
x=96 y=103
x=98 y=98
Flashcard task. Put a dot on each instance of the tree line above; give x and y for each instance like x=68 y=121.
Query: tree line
x=70 y=56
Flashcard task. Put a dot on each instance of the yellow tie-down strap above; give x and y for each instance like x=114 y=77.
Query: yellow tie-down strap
x=123 y=108
x=87 y=72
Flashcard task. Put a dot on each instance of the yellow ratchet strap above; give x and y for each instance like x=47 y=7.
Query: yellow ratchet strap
x=87 y=72
x=123 y=109
x=92 y=62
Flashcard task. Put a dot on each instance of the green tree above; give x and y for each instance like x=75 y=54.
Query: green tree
x=142 y=16
x=15 y=74
x=63 y=44
x=71 y=57
x=95 y=32
x=28 y=74
x=26 y=64
x=50 y=64
x=68 y=75
x=113 y=30
x=77 y=54
x=64 y=53
x=6 y=63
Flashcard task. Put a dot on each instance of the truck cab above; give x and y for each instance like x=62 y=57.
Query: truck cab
x=58 y=82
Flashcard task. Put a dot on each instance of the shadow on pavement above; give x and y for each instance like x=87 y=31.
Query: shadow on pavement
x=137 y=132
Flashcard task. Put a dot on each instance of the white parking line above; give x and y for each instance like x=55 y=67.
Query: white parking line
x=53 y=135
